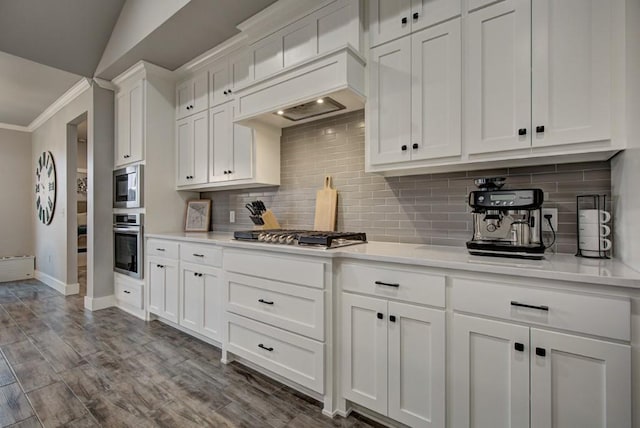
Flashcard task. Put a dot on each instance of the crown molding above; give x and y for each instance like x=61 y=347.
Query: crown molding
x=140 y=69
x=11 y=127
x=105 y=84
x=73 y=92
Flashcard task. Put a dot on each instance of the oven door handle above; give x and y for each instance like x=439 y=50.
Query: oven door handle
x=130 y=230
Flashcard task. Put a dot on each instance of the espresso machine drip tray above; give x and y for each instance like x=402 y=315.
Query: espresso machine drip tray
x=505 y=249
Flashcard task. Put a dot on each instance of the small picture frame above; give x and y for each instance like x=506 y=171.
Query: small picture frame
x=198 y=215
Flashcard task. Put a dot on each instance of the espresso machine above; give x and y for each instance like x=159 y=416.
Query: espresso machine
x=506 y=223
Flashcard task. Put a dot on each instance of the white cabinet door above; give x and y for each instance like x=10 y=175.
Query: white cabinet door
x=268 y=56
x=300 y=41
x=129 y=107
x=416 y=365
x=579 y=382
x=436 y=92
x=219 y=83
x=212 y=302
x=364 y=351
x=163 y=288
x=390 y=106
x=241 y=69
x=192 y=96
x=491 y=373
x=388 y=20
x=242 y=162
x=425 y=13
x=193 y=149
x=498 y=77
x=191 y=293
x=220 y=144
x=571 y=70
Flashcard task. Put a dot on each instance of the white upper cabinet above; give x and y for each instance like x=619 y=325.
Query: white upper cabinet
x=300 y=41
x=571 y=87
x=538 y=74
x=391 y=19
x=192 y=95
x=240 y=69
x=498 y=77
x=415 y=96
x=231 y=147
x=390 y=102
x=192 y=140
x=129 y=106
x=219 y=84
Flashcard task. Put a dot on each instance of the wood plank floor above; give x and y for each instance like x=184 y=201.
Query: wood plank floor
x=62 y=365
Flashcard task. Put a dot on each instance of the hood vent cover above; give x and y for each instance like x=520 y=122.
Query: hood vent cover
x=311 y=109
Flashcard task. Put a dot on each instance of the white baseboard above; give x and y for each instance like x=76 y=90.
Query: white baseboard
x=56 y=284
x=97 y=303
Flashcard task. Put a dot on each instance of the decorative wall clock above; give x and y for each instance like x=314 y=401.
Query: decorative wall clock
x=46 y=187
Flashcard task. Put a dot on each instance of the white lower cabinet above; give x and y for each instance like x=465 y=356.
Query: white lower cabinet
x=518 y=372
x=163 y=287
x=393 y=359
x=200 y=305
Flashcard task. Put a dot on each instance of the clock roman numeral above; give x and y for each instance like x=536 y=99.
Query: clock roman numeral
x=52 y=187
x=50 y=202
x=49 y=170
x=38 y=202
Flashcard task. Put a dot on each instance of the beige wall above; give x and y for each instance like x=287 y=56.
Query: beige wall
x=427 y=209
x=16 y=185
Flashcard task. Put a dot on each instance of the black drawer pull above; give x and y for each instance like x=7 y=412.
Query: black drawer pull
x=266 y=302
x=416 y=15
x=265 y=348
x=380 y=315
x=127 y=292
x=541 y=352
x=392 y=318
x=522 y=131
x=388 y=284
x=540 y=128
x=404 y=147
x=404 y=20
x=524 y=305
x=519 y=347
x=160 y=249
x=198 y=255
x=160 y=266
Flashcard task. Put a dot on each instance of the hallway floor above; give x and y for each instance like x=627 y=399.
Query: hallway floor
x=62 y=365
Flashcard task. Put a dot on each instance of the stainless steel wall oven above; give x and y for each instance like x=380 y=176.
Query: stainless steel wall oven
x=128 y=244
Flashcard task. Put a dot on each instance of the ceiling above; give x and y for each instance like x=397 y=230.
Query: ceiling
x=53 y=44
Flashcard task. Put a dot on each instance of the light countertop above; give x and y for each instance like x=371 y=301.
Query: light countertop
x=562 y=267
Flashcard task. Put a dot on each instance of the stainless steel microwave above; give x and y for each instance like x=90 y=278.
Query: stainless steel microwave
x=128 y=187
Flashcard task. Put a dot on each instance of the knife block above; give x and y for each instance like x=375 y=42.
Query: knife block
x=270 y=220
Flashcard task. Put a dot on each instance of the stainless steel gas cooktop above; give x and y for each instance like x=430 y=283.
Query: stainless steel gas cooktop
x=302 y=237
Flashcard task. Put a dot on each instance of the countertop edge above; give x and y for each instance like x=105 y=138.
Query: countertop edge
x=484 y=264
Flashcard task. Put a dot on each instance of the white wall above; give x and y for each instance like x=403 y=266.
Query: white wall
x=625 y=167
x=16 y=193
x=137 y=20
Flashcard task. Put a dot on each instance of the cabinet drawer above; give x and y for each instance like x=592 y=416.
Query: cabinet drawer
x=605 y=316
x=294 y=308
x=294 y=357
x=201 y=254
x=393 y=282
x=130 y=294
x=286 y=269
x=160 y=248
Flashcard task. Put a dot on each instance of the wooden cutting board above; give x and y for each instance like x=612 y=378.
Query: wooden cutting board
x=326 y=205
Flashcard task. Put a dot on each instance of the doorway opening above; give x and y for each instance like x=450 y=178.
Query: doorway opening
x=81 y=205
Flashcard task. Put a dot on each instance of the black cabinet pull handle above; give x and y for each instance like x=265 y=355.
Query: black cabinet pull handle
x=540 y=128
x=266 y=302
x=416 y=15
x=160 y=266
x=524 y=305
x=392 y=318
x=388 y=284
x=127 y=292
x=159 y=249
x=519 y=347
x=380 y=316
x=415 y=145
x=230 y=91
x=229 y=171
x=541 y=352
x=265 y=348
x=404 y=147
x=404 y=20
x=198 y=255
x=522 y=131
x=225 y=92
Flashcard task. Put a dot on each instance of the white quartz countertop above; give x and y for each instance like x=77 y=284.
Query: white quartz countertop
x=561 y=267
